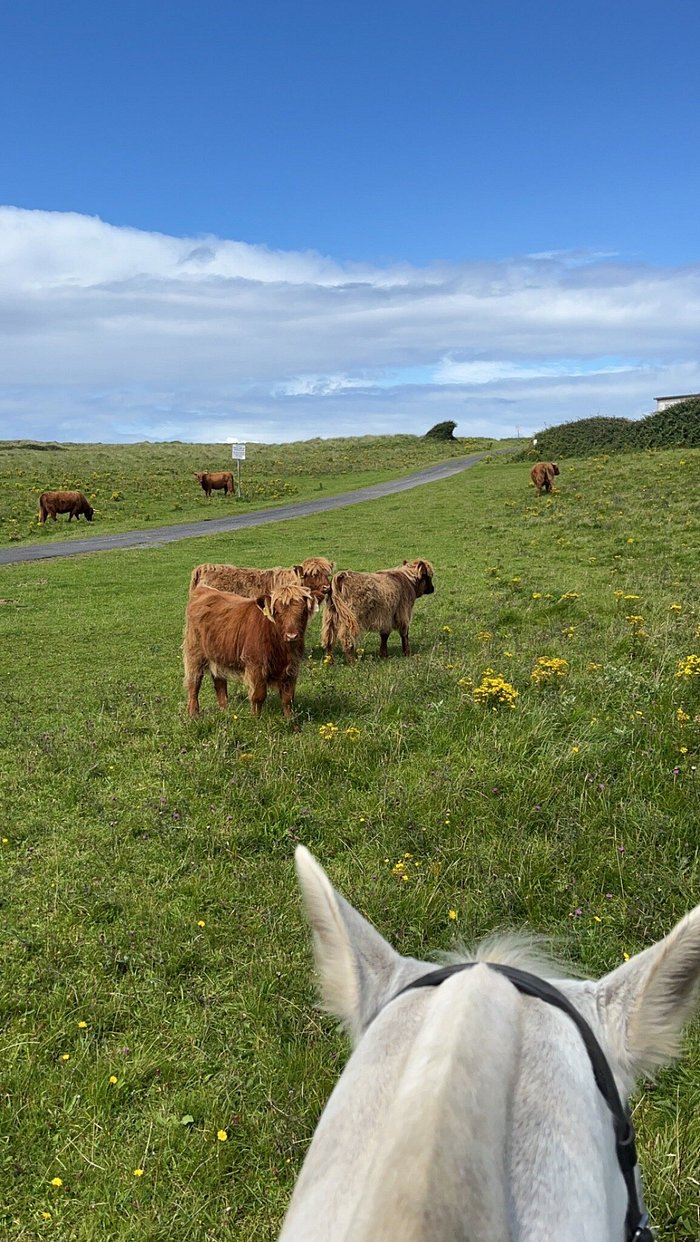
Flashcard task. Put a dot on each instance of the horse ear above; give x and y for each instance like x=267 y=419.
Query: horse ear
x=356 y=966
x=647 y=1001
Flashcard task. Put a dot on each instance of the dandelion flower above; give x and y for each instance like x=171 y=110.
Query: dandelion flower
x=597 y=918
x=201 y=923
x=575 y=750
x=626 y=956
x=82 y=1026
x=447 y=629
x=46 y=1216
x=222 y=1136
x=452 y=914
x=65 y=1056
x=138 y=1172
x=675 y=608
x=6 y=840
x=113 y=1079
x=56 y=1181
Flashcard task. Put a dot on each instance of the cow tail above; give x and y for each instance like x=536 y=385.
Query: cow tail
x=43 y=511
x=347 y=626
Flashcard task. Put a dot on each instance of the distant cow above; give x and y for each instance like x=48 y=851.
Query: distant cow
x=260 y=640
x=217 y=480
x=543 y=474
x=72 y=503
x=379 y=602
x=313 y=573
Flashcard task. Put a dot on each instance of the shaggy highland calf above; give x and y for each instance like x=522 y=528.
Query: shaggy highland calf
x=219 y=480
x=378 y=602
x=313 y=573
x=543 y=474
x=72 y=503
x=261 y=641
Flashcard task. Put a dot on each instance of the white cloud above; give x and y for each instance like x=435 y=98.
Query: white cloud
x=111 y=333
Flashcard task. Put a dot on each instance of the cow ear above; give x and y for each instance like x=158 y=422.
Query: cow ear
x=405 y=562
x=264 y=603
x=356 y=966
x=298 y=570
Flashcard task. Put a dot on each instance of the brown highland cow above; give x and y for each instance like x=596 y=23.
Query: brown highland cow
x=72 y=503
x=260 y=641
x=314 y=573
x=543 y=474
x=378 y=602
x=217 y=480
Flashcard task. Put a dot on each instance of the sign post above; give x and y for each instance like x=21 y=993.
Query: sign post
x=238 y=455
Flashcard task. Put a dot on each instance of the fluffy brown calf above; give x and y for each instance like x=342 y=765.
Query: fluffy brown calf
x=379 y=602
x=260 y=641
x=314 y=573
x=543 y=474
x=217 y=480
x=72 y=503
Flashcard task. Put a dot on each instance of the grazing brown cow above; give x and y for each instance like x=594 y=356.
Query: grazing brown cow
x=261 y=641
x=380 y=602
x=217 y=480
x=543 y=474
x=72 y=503
x=314 y=573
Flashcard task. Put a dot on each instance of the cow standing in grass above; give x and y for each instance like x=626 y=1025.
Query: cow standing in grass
x=72 y=503
x=377 y=602
x=259 y=640
x=314 y=574
x=542 y=475
x=217 y=480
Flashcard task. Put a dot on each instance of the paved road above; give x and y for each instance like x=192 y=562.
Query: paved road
x=217 y=526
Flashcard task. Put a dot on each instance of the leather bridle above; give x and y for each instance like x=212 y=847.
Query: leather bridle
x=637 y=1219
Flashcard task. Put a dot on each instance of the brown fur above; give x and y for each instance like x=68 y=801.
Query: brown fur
x=72 y=503
x=217 y=480
x=233 y=636
x=313 y=573
x=543 y=474
x=378 y=602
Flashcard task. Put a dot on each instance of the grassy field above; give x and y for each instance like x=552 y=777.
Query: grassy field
x=161 y=1054
x=132 y=486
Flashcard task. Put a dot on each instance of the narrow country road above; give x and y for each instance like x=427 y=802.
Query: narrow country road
x=218 y=526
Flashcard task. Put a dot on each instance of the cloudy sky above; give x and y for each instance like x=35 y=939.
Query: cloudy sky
x=275 y=221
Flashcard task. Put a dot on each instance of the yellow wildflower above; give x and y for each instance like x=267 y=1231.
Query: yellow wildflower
x=201 y=923
x=452 y=914
x=138 y=1172
x=56 y=1181
x=447 y=629
x=675 y=608
x=222 y=1136
x=113 y=1079
x=82 y=1026
x=328 y=731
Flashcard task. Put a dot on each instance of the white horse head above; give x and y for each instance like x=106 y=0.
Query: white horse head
x=469 y=1112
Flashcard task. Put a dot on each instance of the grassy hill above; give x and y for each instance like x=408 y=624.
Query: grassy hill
x=156 y=976
x=676 y=427
x=132 y=486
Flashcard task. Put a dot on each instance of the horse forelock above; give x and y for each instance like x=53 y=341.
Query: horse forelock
x=533 y=954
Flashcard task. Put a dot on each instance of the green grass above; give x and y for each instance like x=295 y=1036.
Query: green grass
x=135 y=486
x=127 y=826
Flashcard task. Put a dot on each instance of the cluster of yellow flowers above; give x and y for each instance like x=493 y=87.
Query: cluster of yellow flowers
x=401 y=869
x=689 y=666
x=330 y=731
x=494 y=691
x=570 y=595
x=549 y=668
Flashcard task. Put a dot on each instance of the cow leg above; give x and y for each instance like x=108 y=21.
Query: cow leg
x=256 y=696
x=328 y=657
x=193 y=688
x=286 y=690
x=383 y=644
x=221 y=691
x=405 y=647
x=349 y=652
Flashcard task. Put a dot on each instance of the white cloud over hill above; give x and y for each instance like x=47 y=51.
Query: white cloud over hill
x=111 y=333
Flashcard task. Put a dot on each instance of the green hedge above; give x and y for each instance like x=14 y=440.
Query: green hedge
x=675 y=427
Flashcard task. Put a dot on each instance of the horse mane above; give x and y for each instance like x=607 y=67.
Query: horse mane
x=523 y=950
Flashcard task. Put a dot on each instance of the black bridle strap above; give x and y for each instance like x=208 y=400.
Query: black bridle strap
x=636 y=1225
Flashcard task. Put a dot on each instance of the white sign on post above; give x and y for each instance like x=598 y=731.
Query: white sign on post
x=238 y=452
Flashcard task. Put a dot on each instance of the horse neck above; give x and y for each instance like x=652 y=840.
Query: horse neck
x=467 y=1115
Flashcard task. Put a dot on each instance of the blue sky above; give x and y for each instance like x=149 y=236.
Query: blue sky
x=290 y=219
